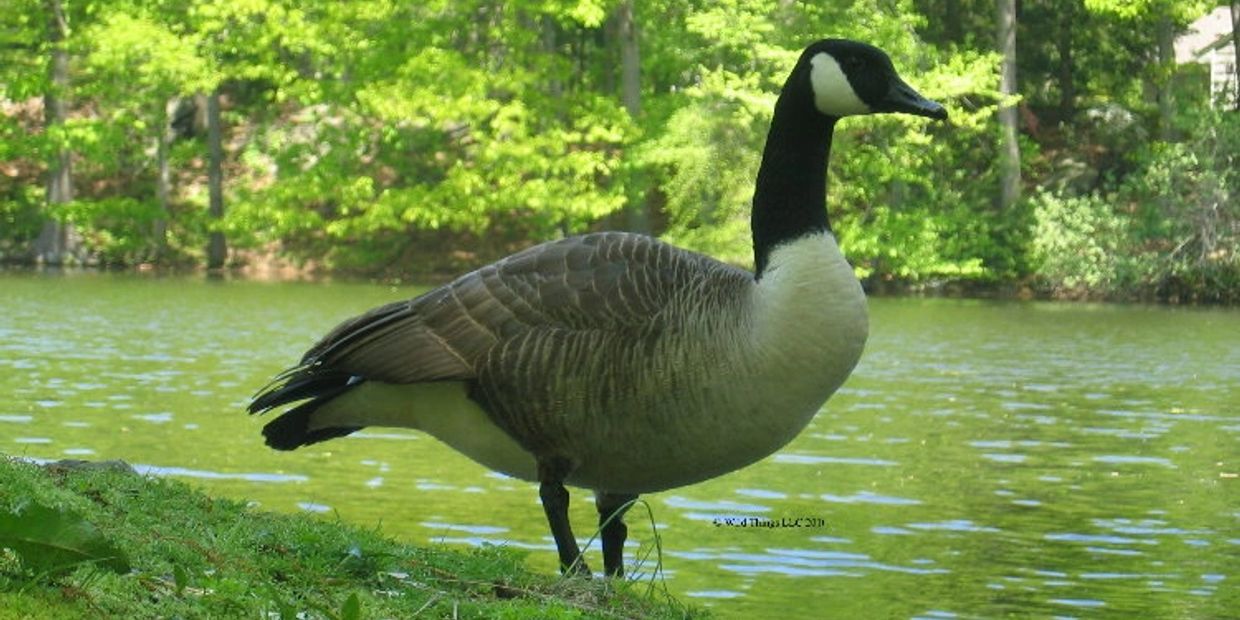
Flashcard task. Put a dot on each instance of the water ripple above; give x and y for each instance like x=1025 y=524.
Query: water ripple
x=1096 y=538
x=1123 y=459
x=1078 y=602
x=866 y=497
x=810 y=459
x=156 y=470
x=724 y=594
x=723 y=506
x=468 y=529
x=954 y=525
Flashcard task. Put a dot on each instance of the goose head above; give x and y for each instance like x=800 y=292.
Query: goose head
x=834 y=78
x=847 y=78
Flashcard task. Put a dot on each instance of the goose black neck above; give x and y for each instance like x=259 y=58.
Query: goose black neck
x=790 y=198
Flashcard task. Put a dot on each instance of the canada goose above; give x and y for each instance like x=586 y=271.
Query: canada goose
x=614 y=361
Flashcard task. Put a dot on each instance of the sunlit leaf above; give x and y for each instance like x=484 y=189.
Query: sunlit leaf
x=352 y=608
x=56 y=540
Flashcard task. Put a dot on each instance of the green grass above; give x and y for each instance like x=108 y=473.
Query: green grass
x=194 y=556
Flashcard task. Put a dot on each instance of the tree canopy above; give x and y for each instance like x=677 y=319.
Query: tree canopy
x=372 y=135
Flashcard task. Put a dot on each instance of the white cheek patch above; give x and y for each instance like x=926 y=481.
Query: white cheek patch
x=833 y=94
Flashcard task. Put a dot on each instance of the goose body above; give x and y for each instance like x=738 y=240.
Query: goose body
x=614 y=361
x=624 y=393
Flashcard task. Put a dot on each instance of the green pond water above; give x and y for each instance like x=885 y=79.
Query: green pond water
x=986 y=459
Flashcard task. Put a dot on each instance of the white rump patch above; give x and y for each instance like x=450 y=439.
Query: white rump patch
x=833 y=94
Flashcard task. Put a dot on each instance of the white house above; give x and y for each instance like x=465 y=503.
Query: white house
x=1209 y=41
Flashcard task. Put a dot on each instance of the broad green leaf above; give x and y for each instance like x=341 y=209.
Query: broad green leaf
x=51 y=540
x=180 y=578
x=352 y=608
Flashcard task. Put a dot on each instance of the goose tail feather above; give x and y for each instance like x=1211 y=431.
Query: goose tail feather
x=292 y=429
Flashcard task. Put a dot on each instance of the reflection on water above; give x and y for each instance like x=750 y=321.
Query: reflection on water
x=986 y=459
x=200 y=474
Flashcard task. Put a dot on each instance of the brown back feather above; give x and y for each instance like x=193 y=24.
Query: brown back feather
x=602 y=281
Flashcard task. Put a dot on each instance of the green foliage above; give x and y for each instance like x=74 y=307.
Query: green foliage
x=151 y=56
x=1169 y=229
x=21 y=216
x=912 y=200
x=115 y=228
x=1078 y=241
x=50 y=541
x=1187 y=198
x=432 y=138
x=894 y=215
x=708 y=156
x=1135 y=9
x=356 y=131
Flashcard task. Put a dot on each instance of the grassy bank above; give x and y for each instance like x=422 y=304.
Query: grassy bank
x=188 y=555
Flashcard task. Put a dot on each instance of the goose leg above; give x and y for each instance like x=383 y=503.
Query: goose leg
x=611 y=509
x=554 y=498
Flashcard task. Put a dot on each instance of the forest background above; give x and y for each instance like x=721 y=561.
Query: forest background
x=418 y=139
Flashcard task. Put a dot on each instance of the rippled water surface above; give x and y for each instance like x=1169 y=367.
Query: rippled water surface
x=986 y=459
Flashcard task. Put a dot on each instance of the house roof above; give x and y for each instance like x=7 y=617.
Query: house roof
x=1209 y=32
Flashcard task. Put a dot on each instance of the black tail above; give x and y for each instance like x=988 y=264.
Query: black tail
x=292 y=429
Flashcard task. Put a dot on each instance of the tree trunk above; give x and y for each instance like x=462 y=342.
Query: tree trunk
x=163 y=180
x=217 y=250
x=550 y=45
x=1063 y=46
x=1235 y=43
x=630 y=60
x=1009 y=148
x=631 y=97
x=953 y=22
x=1166 y=64
x=57 y=241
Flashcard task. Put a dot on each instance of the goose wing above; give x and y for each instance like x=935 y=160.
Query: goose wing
x=603 y=281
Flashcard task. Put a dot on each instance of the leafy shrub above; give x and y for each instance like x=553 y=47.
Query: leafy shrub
x=1169 y=229
x=116 y=229
x=1078 y=243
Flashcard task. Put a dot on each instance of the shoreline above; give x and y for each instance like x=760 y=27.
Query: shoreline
x=1007 y=290
x=187 y=554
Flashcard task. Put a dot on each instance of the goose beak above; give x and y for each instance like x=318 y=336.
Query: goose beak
x=902 y=98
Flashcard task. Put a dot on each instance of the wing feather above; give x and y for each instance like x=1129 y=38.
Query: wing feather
x=602 y=281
